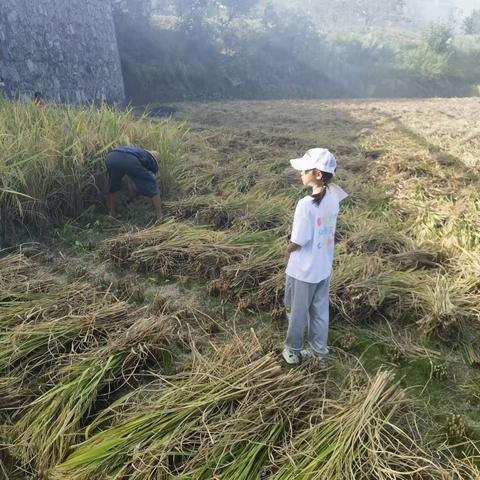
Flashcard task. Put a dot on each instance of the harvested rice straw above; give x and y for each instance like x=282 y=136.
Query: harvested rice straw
x=190 y=413
x=446 y=302
x=255 y=283
x=368 y=236
x=363 y=284
x=30 y=346
x=60 y=300
x=359 y=441
x=175 y=236
x=12 y=395
x=14 y=264
x=21 y=274
x=208 y=209
x=191 y=249
x=240 y=445
x=52 y=424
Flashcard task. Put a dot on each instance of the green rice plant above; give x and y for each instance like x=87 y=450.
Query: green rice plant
x=357 y=437
x=52 y=158
x=53 y=422
x=194 y=416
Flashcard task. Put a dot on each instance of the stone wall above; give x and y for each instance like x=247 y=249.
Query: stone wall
x=65 y=49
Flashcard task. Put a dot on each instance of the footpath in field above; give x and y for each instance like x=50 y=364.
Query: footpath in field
x=139 y=352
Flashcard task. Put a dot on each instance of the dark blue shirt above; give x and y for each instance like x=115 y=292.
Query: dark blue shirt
x=146 y=158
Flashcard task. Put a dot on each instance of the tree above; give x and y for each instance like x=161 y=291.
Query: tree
x=371 y=12
x=439 y=37
x=471 y=24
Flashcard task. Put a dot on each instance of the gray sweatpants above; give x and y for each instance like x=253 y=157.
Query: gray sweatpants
x=307 y=306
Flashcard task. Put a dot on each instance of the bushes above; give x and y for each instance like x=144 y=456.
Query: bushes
x=422 y=61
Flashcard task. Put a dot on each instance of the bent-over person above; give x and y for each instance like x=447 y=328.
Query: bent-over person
x=141 y=166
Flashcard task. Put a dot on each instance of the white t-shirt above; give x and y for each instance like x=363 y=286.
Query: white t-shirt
x=314 y=230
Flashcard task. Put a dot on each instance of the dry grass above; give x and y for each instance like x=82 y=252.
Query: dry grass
x=53 y=422
x=451 y=125
x=356 y=437
x=194 y=416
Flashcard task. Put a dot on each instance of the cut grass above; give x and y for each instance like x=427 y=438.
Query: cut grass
x=191 y=418
x=53 y=422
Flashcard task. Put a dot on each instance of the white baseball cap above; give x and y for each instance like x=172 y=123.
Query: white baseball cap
x=319 y=158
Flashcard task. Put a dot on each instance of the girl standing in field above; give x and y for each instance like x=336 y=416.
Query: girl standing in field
x=311 y=257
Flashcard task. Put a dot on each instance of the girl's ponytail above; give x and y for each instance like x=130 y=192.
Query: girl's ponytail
x=318 y=197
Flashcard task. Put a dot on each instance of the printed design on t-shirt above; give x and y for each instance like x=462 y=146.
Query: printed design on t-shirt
x=326 y=229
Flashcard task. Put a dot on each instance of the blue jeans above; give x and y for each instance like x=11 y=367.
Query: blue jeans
x=307 y=306
x=119 y=164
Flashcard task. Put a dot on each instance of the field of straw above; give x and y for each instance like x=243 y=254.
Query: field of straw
x=130 y=350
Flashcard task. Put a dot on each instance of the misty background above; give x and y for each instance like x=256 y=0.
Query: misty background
x=254 y=49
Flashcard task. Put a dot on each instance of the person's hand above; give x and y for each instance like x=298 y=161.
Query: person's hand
x=291 y=247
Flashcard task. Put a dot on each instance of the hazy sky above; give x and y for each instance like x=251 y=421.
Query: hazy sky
x=468 y=4
x=430 y=10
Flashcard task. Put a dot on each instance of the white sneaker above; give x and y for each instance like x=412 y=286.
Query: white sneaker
x=290 y=356
x=308 y=354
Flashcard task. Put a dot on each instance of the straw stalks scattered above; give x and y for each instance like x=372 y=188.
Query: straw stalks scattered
x=31 y=346
x=219 y=420
x=357 y=437
x=52 y=423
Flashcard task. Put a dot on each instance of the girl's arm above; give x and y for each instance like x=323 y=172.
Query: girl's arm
x=291 y=247
x=301 y=228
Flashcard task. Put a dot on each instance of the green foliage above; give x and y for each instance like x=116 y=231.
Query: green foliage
x=228 y=49
x=280 y=57
x=421 y=60
x=439 y=37
x=370 y=12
